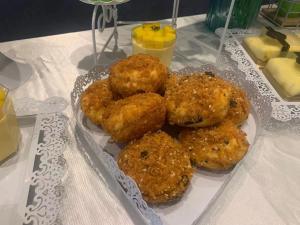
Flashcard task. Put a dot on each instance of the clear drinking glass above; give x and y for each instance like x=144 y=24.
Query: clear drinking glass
x=154 y=39
x=243 y=14
x=9 y=128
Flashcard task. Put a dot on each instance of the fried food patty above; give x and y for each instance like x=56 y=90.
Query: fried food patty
x=159 y=165
x=196 y=100
x=215 y=148
x=239 y=106
x=132 y=117
x=138 y=74
x=95 y=99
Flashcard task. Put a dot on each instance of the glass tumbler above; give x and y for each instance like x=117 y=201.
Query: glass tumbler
x=243 y=14
x=154 y=39
x=9 y=128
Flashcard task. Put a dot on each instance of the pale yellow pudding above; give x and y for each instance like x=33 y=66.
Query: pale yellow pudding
x=287 y=74
x=263 y=47
x=152 y=39
x=9 y=128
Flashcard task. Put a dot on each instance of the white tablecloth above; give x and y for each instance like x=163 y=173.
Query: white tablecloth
x=264 y=190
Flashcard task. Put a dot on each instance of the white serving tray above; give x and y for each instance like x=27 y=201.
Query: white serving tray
x=205 y=186
x=31 y=180
x=283 y=111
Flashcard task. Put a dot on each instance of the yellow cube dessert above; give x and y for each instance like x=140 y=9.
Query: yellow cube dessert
x=155 y=40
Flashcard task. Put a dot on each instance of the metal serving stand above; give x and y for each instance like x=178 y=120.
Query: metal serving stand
x=110 y=14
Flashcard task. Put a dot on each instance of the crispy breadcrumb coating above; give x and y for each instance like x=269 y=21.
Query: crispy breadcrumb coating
x=159 y=165
x=215 y=148
x=95 y=99
x=132 y=117
x=138 y=74
x=239 y=106
x=196 y=100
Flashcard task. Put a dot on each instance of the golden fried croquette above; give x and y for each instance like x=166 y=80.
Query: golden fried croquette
x=196 y=100
x=132 y=117
x=138 y=74
x=215 y=148
x=159 y=165
x=95 y=99
x=239 y=106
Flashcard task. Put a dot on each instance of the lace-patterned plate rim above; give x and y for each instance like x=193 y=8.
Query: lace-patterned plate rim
x=48 y=168
x=283 y=111
x=255 y=74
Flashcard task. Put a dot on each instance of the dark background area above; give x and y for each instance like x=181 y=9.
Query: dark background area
x=21 y=19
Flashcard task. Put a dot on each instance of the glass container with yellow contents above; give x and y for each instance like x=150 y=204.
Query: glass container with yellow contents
x=9 y=128
x=154 y=39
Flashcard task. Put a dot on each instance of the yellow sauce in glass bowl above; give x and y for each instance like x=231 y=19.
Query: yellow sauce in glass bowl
x=155 y=40
x=9 y=128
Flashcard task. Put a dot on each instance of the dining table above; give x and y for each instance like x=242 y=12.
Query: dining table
x=264 y=189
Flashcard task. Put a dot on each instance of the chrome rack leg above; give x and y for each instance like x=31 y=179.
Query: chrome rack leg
x=94 y=35
x=175 y=13
x=115 y=32
x=109 y=12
